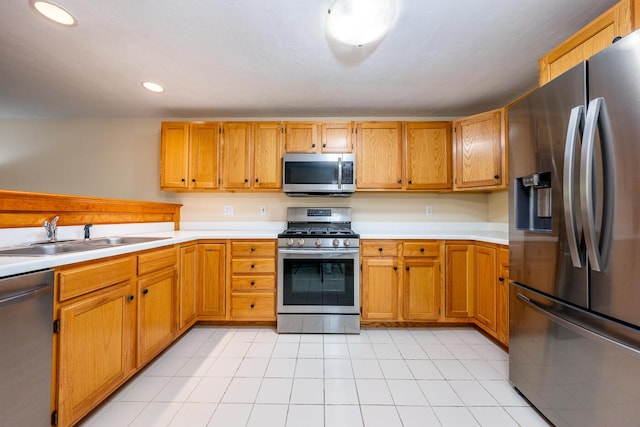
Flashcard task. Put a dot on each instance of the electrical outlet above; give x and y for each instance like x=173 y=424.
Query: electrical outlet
x=263 y=210
x=429 y=210
x=228 y=209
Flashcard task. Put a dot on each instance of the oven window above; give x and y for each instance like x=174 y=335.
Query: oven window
x=318 y=282
x=311 y=172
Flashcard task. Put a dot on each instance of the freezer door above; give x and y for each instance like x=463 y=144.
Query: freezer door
x=545 y=231
x=615 y=180
x=577 y=369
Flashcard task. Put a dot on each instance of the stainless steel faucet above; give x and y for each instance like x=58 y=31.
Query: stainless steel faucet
x=51 y=227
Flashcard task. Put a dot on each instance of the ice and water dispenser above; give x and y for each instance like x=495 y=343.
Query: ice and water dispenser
x=533 y=202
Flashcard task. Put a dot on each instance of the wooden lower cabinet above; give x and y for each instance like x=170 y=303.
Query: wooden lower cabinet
x=380 y=278
x=187 y=291
x=422 y=289
x=459 y=286
x=96 y=350
x=503 y=295
x=486 y=280
x=211 y=281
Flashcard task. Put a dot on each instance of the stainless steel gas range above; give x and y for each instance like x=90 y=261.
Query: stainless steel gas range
x=318 y=272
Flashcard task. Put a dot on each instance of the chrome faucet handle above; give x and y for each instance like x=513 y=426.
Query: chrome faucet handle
x=51 y=228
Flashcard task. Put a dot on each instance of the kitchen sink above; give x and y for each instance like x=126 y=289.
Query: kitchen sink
x=70 y=246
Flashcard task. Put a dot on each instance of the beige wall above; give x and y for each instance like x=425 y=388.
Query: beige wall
x=120 y=158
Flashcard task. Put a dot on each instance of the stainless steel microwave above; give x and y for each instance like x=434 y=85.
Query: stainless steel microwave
x=319 y=174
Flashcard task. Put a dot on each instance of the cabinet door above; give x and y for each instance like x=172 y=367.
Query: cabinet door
x=478 y=151
x=187 y=286
x=236 y=154
x=204 y=154
x=591 y=39
x=459 y=293
x=380 y=279
x=503 y=295
x=211 y=283
x=155 y=313
x=486 y=278
x=267 y=154
x=428 y=155
x=301 y=137
x=336 y=137
x=174 y=155
x=96 y=350
x=422 y=289
x=379 y=156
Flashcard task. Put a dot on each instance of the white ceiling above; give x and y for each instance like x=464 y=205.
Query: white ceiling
x=272 y=58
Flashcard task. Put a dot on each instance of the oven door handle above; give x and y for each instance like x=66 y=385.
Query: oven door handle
x=332 y=252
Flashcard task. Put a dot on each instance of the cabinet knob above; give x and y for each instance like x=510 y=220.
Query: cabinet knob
x=193 y=180
x=246 y=180
x=496 y=176
x=257 y=180
x=130 y=298
x=395 y=267
x=253 y=248
x=145 y=291
x=399 y=181
x=253 y=283
x=313 y=145
x=421 y=249
x=406 y=268
x=252 y=266
x=324 y=145
x=252 y=305
x=183 y=180
x=379 y=249
x=501 y=279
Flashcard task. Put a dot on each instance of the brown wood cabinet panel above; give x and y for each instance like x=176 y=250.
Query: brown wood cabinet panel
x=96 y=350
x=236 y=155
x=380 y=248
x=421 y=249
x=459 y=286
x=336 y=137
x=486 y=278
x=211 y=280
x=187 y=286
x=379 y=155
x=245 y=283
x=174 y=155
x=479 y=152
x=301 y=137
x=156 y=324
x=254 y=265
x=428 y=155
x=422 y=288
x=591 y=39
x=157 y=260
x=267 y=155
x=253 y=248
x=503 y=295
x=204 y=153
x=253 y=306
x=380 y=278
x=88 y=277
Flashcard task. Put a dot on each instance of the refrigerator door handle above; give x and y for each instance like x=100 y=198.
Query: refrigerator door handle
x=597 y=120
x=574 y=233
x=574 y=327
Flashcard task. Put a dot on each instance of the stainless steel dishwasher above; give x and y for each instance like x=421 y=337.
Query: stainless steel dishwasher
x=26 y=317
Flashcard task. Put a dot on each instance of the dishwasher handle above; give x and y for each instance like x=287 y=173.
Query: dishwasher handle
x=30 y=294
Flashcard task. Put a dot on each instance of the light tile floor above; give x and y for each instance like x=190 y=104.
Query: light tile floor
x=253 y=377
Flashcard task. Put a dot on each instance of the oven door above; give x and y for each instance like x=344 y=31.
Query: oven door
x=318 y=281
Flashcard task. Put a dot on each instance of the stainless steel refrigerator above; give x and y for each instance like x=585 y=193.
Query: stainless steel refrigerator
x=574 y=240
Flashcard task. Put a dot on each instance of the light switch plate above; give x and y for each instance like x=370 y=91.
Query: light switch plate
x=228 y=209
x=263 y=210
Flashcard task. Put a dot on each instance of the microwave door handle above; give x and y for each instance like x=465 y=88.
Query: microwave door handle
x=339 y=173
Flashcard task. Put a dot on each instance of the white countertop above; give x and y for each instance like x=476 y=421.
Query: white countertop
x=10 y=265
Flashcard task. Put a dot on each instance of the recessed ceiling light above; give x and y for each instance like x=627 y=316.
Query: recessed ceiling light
x=153 y=87
x=53 y=12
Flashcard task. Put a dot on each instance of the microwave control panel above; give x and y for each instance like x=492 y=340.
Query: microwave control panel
x=347 y=173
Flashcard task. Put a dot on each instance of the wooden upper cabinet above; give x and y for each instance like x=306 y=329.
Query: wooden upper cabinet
x=479 y=152
x=336 y=137
x=597 y=35
x=267 y=155
x=204 y=156
x=428 y=155
x=236 y=155
x=301 y=137
x=174 y=155
x=379 y=155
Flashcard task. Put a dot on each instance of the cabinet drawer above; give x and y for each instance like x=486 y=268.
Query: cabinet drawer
x=380 y=248
x=418 y=249
x=157 y=260
x=258 y=265
x=253 y=305
x=253 y=282
x=264 y=248
x=87 y=278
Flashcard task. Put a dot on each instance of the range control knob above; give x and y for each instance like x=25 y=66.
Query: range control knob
x=318 y=242
x=336 y=242
x=347 y=242
x=290 y=242
x=300 y=242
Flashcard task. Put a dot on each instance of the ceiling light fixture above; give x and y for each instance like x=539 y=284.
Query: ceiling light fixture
x=360 y=22
x=53 y=12
x=153 y=87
